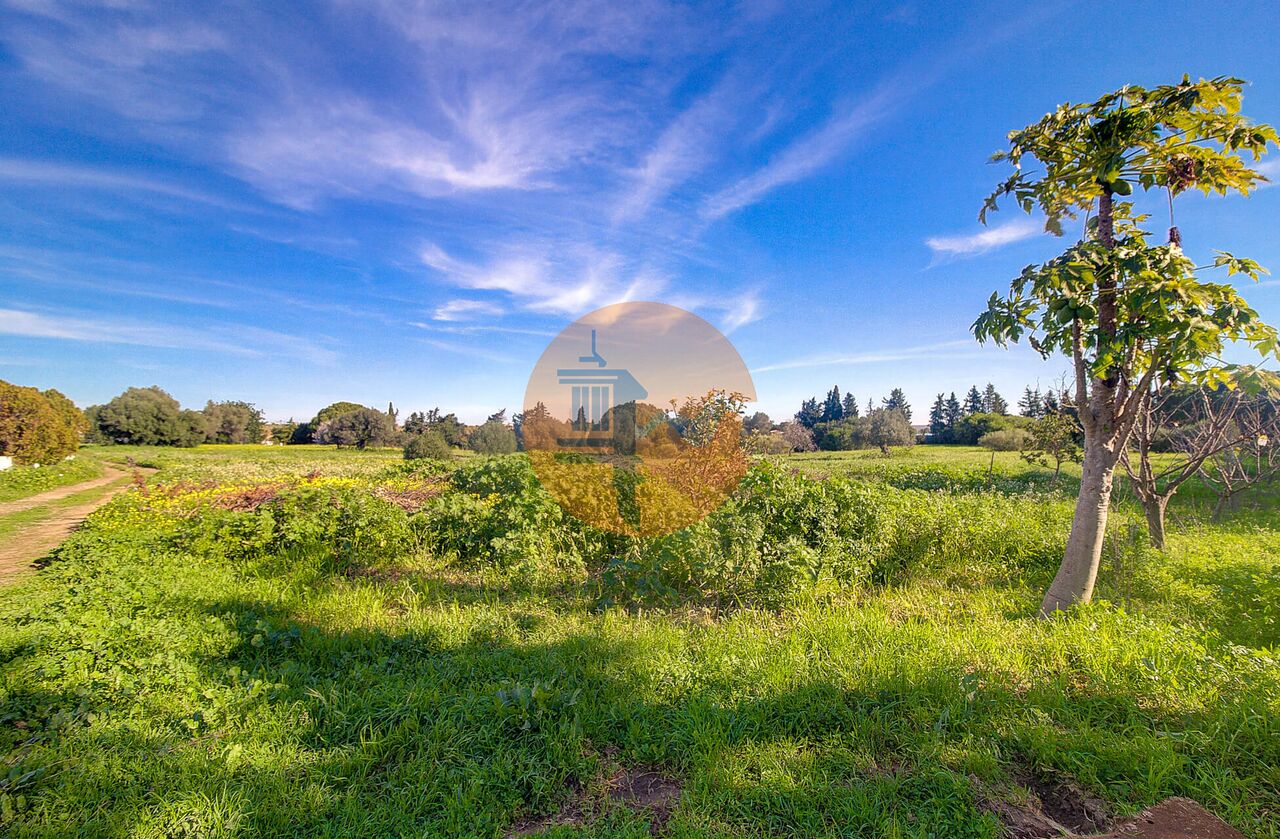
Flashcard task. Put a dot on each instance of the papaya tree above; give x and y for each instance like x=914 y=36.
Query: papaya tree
x=1127 y=312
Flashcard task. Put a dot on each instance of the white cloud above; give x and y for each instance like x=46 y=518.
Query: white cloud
x=985 y=240
x=942 y=349
x=456 y=310
x=44 y=173
x=237 y=340
x=1270 y=169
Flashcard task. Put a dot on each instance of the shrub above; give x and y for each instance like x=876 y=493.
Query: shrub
x=37 y=427
x=148 y=417
x=428 y=445
x=1005 y=440
x=493 y=437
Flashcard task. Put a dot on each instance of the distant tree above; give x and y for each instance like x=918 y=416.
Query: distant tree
x=282 y=432
x=798 y=437
x=938 y=419
x=810 y=413
x=498 y=416
x=993 y=402
x=448 y=426
x=758 y=423
x=833 y=407
x=333 y=411
x=954 y=414
x=889 y=427
x=850 y=406
x=1053 y=442
x=897 y=401
x=416 y=423
x=1050 y=404
x=232 y=422
x=973 y=402
x=148 y=416
x=1032 y=403
x=1252 y=455
x=427 y=445
x=303 y=433
x=493 y=437
x=362 y=428
x=394 y=414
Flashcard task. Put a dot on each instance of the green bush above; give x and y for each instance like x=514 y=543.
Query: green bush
x=428 y=445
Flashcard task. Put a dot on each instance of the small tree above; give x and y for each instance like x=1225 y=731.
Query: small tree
x=1052 y=441
x=1125 y=311
x=758 y=423
x=888 y=428
x=428 y=445
x=1251 y=454
x=799 y=438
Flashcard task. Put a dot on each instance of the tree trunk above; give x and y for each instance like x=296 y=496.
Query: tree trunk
x=1154 y=508
x=1079 y=570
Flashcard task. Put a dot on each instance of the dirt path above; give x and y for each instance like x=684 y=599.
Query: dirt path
x=110 y=475
x=29 y=543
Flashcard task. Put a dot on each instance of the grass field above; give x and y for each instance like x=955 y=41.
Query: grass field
x=381 y=650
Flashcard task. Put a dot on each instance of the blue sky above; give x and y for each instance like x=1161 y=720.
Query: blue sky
x=298 y=203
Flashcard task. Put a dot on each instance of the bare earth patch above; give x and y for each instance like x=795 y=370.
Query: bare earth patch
x=1057 y=807
x=640 y=788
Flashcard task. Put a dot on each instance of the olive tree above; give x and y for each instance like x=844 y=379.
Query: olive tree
x=1126 y=311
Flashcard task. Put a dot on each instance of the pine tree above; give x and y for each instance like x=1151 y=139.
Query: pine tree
x=810 y=414
x=938 y=418
x=993 y=402
x=897 y=401
x=832 y=408
x=850 y=406
x=973 y=403
x=953 y=413
x=1050 y=404
x=1031 y=404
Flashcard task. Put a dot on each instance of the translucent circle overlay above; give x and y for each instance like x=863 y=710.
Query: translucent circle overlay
x=632 y=418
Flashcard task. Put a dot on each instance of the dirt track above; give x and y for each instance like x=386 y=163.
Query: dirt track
x=28 y=544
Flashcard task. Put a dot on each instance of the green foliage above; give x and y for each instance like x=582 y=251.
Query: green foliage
x=1172 y=136
x=232 y=422
x=361 y=427
x=332 y=412
x=427 y=444
x=494 y=437
x=1053 y=441
x=148 y=417
x=37 y=427
x=971 y=428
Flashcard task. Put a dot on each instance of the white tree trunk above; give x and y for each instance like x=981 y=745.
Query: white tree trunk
x=1079 y=570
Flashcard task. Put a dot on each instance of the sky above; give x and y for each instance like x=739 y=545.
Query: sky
x=295 y=204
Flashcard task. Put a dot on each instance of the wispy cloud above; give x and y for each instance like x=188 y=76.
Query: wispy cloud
x=45 y=173
x=984 y=240
x=237 y=340
x=1269 y=169
x=941 y=349
x=806 y=155
x=456 y=310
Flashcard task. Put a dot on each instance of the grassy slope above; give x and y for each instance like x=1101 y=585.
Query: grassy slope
x=162 y=691
x=24 y=481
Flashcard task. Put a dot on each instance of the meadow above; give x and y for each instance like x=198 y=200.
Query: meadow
x=302 y=641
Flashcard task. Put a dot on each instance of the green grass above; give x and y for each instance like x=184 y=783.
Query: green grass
x=24 y=481
x=298 y=671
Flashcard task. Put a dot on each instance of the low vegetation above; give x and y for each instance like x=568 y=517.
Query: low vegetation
x=300 y=641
